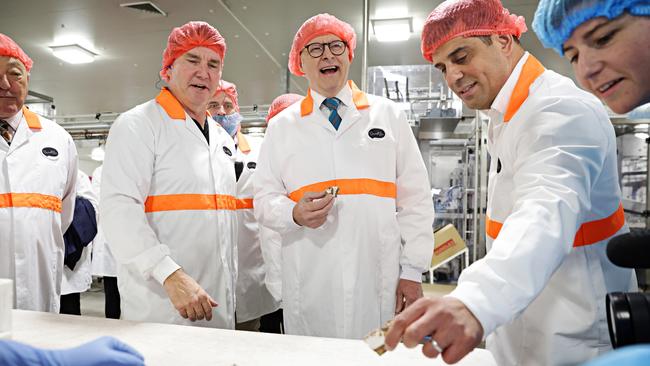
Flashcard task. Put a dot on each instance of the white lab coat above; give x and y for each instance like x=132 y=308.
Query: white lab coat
x=339 y=280
x=37 y=193
x=168 y=202
x=79 y=279
x=540 y=290
x=271 y=247
x=103 y=262
x=253 y=297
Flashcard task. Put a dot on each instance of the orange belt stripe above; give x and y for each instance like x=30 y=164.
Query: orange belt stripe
x=589 y=233
x=244 y=203
x=34 y=200
x=350 y=186
x=172 y=202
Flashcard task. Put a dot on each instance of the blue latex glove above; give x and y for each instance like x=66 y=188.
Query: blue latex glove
x=104 y=351
x=627 y=356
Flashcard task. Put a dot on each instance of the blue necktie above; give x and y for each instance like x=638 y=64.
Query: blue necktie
x=332 y=104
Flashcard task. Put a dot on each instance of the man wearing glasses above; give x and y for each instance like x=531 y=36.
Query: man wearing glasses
x=349 y=261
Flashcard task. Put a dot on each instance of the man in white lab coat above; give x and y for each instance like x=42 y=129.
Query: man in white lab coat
x=348 y=263
x=553 y=203
x=253 y=298
x=38 y=174
x=167 y=202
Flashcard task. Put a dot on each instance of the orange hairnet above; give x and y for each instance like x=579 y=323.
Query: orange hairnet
x=316 y=26
x=189 y=36
x=11 y=49
x=230 y=90
x=280 y=103
x=455 y=18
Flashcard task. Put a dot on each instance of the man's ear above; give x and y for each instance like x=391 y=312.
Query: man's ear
x=505 y=42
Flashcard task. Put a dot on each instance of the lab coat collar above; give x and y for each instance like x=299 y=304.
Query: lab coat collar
x=32 y=119
x=500 y=103
x=175 y=110
x=348 y=94
x=242 y=143
x=24 y=130
x=170 y=104
x=515 y=90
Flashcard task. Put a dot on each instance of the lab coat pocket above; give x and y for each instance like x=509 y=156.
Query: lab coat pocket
x=51 y=176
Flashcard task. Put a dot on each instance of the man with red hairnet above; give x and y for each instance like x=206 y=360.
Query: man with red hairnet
x=167 y=200
x=38 y=175
x=253 y=298
x=553 y=203
x=348 y=263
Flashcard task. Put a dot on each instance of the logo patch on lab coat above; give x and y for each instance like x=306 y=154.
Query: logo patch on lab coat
x=50 y=153
x=227 y=151
x=498 y=165
x=251 y=165
x=376 y=133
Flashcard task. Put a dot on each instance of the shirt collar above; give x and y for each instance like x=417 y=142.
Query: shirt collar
x=14 y=121
x=500 y=103
x=344 y=95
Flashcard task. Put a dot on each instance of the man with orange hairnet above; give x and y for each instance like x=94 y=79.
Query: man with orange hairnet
x=553 y=203
x=38 y=175
x=253 y=298
x=167 y=200
x=350 y=262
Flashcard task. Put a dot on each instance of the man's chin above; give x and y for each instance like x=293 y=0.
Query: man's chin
x=8 y=111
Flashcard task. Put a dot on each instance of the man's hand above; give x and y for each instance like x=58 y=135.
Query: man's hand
x=312 y=209
x=446 y=319
x=406 y=294
x=188 y=297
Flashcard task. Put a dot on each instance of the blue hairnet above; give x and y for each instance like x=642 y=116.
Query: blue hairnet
x=555 y=20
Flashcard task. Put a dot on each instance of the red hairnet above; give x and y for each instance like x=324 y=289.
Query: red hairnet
x=316 y=26
x=230 y=90
x=11 y=49
x=454 y=18
x=280 y=103
x=189 y=36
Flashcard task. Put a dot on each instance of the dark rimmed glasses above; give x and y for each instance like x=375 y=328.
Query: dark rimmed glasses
x=317 y=49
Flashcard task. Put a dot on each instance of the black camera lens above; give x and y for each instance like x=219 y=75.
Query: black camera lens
x=628 y=318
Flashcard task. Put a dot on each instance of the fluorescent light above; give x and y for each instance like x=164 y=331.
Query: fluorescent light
x=97 y=154
x=73 y=53
x=641 y=126
x=392 y=30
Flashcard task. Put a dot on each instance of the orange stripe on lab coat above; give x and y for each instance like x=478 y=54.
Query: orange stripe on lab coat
x=589 y=233
x=34 y=200
x=174 y=202
x=350 y=186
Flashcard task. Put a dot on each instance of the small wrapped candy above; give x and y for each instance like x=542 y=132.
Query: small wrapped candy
x=333 y=190
x=376 y=339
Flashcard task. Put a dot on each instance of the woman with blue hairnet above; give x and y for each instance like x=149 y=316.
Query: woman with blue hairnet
x=604 y=42
x=601 y=40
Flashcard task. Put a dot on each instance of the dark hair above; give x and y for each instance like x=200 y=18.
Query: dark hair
x=488 y=40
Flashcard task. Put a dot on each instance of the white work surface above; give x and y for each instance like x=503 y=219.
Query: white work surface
x=165 y=344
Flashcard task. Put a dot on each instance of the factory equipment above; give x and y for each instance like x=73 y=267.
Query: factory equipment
x=450 y=142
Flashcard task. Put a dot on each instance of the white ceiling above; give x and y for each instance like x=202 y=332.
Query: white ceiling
x=130 y=44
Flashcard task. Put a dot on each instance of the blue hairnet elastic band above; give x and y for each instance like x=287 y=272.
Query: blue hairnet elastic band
x=555 y=20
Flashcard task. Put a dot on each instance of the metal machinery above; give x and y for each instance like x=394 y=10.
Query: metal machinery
x=633 y=146
x=450 y=142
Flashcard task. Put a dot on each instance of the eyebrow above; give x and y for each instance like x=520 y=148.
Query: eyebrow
x=451 y=55
x=588 y=35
